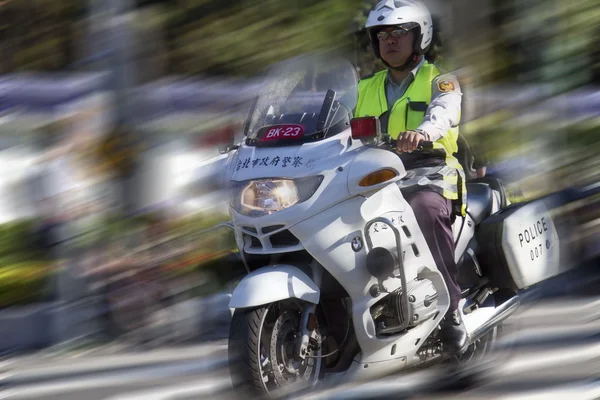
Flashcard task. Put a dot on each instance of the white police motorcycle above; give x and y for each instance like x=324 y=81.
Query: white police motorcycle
x=341 y=283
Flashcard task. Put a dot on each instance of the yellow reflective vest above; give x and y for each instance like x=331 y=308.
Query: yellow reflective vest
x=372 y=101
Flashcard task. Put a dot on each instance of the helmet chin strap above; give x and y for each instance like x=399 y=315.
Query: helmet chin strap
x=407 y=66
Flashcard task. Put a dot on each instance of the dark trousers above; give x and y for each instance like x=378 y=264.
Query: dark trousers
x=434 y=215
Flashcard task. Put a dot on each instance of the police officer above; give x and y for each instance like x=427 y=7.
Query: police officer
x=416 y=102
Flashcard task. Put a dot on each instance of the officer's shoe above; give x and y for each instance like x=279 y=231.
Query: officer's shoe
x=454 y=335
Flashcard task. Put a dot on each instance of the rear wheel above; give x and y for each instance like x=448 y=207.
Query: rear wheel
x=481 y=350
x=262 y=343
x=487 y=353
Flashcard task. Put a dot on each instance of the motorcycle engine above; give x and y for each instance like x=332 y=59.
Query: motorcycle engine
x=422 y=305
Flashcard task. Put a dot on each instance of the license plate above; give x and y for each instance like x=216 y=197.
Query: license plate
x=289 y=131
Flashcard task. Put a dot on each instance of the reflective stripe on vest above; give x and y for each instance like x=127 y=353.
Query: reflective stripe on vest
x=372 y=101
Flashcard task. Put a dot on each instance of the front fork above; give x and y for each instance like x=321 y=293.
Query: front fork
x=308 y=322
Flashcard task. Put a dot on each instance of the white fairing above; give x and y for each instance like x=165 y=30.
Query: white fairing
x=332 y=158
x=274 y=283
x=326 y=224
x=328 y=236
x=531 y=246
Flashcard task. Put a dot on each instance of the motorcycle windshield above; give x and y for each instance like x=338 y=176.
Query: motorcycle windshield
x=304 y=99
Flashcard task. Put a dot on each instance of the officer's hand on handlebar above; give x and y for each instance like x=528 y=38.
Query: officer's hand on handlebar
x=409 y=141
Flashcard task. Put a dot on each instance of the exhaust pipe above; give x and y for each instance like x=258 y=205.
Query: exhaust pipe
x=478 y=329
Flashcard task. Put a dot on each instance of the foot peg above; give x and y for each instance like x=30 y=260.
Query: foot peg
x=478 y=300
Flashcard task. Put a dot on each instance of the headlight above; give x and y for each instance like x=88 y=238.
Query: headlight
x=266 y=196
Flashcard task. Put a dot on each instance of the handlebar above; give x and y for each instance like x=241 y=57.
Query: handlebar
x=423 y=145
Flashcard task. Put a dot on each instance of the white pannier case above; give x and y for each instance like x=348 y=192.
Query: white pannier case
x=519 y=246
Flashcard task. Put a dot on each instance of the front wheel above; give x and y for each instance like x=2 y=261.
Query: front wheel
x=262 y=343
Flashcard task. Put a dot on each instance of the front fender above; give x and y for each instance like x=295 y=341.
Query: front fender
x=274 y=283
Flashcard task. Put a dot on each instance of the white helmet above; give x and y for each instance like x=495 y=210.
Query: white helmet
x=407 y=13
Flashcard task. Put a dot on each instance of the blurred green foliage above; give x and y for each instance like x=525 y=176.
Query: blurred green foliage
x=23 y=283
x=38 y=34
x=216 y=37
x=24 y=265
x=242 y=37
x=26 y=271
x=18 y=243
x=503 y=40
x=554 y=41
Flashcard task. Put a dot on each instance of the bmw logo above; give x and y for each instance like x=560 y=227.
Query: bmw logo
x=357 y=244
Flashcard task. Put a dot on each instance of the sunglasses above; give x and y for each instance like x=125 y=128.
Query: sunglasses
x=395 y=34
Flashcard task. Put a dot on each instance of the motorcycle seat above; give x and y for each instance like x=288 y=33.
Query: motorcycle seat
x=479 y=201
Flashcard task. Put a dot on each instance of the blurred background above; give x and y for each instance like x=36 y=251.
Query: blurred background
x=111 y=112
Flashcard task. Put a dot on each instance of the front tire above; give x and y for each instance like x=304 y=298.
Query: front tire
x=261 y=349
